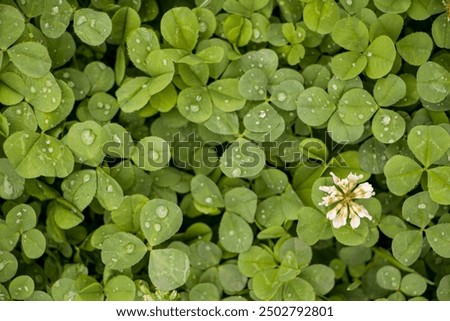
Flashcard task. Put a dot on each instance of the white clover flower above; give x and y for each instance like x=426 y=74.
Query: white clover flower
x=343 y=198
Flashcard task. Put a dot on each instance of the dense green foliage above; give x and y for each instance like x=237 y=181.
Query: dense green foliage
x=190 y=150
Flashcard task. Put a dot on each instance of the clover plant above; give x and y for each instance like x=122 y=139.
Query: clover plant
x=224 y=150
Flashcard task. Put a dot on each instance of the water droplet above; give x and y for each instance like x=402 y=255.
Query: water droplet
x=418 y=132
x=86 y=178
x=385 y=120
x=236 y=172
x=161 y=211
x=92 y=23
x=109 y=189
x=130 y=248
x=114 y=260
x=81 y=20
x=147 y=224
x=262 y=114
x=281 y=96
x=194 y=108
x=422 y=206
x=33 y=89
x=208 y=200
x=157 y=227
x=88 y=137
x=153 y=154
x=360 y=116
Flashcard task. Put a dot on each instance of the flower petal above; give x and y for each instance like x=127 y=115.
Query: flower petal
x=364 y=190
x=360 y=210
x=353 y=180
x=355 y=221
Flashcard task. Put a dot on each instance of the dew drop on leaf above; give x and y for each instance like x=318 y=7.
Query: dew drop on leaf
x=87 y=137
x=161 y=211
x=157 y=227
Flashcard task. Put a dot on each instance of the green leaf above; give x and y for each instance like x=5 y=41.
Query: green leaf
x=432 y=82
x=237 y=29
x=242 y=159
x=33 y=243
x=443 y=290
x=91 y=26
x=21 y=218
x=151 y=153
x=204 y=292
x=65 y=215
x=21 y=287
x=440 y=31
x=391 y=225
x=253 y=84
x=266 y=284
x=127 y=216
x=49 y=120
x=380 y=57
x=388 y=126
x=204 y=255
x=428 y=143
x=160 y=220
x=56 y=18
x=44 y=94
x=407 y=246
x=348 y=65
x=120 y=288
x=392 y=6
x=225 y=95
x=314 y=106
x=33 y=155
x=168 y=268
x=101 y=77
x=80 y=188
x=9 y=265
x=241 y=201
x=31 y=58
x=12 y=185
x=419 y=209
x=356 y=106
x=122 y=250
x=402 y=174
x=388 y=277
x=195 y=104
x=262 y=118
x=235 y=233
x=438 y=184
x=133 y=94
x=205 y=192
x=11 y=91
x=264 y=59
x=109 y=192
x=254 y=260
x=140 y=42
x=389 y=90
x=413 y=284
x=352 y=237
x=351 y=34
x=13 y=25
x=298 y=290
x=124 y=21
x=372 y=156
x=285 y=95
x=438 y=237
x=180 y=28
x=342 y=133
x=320 y=276
x=223 y=123
x=231 y=279
x=415 y=48
x=86 y=140
x=321 y=16
x=311 y=225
